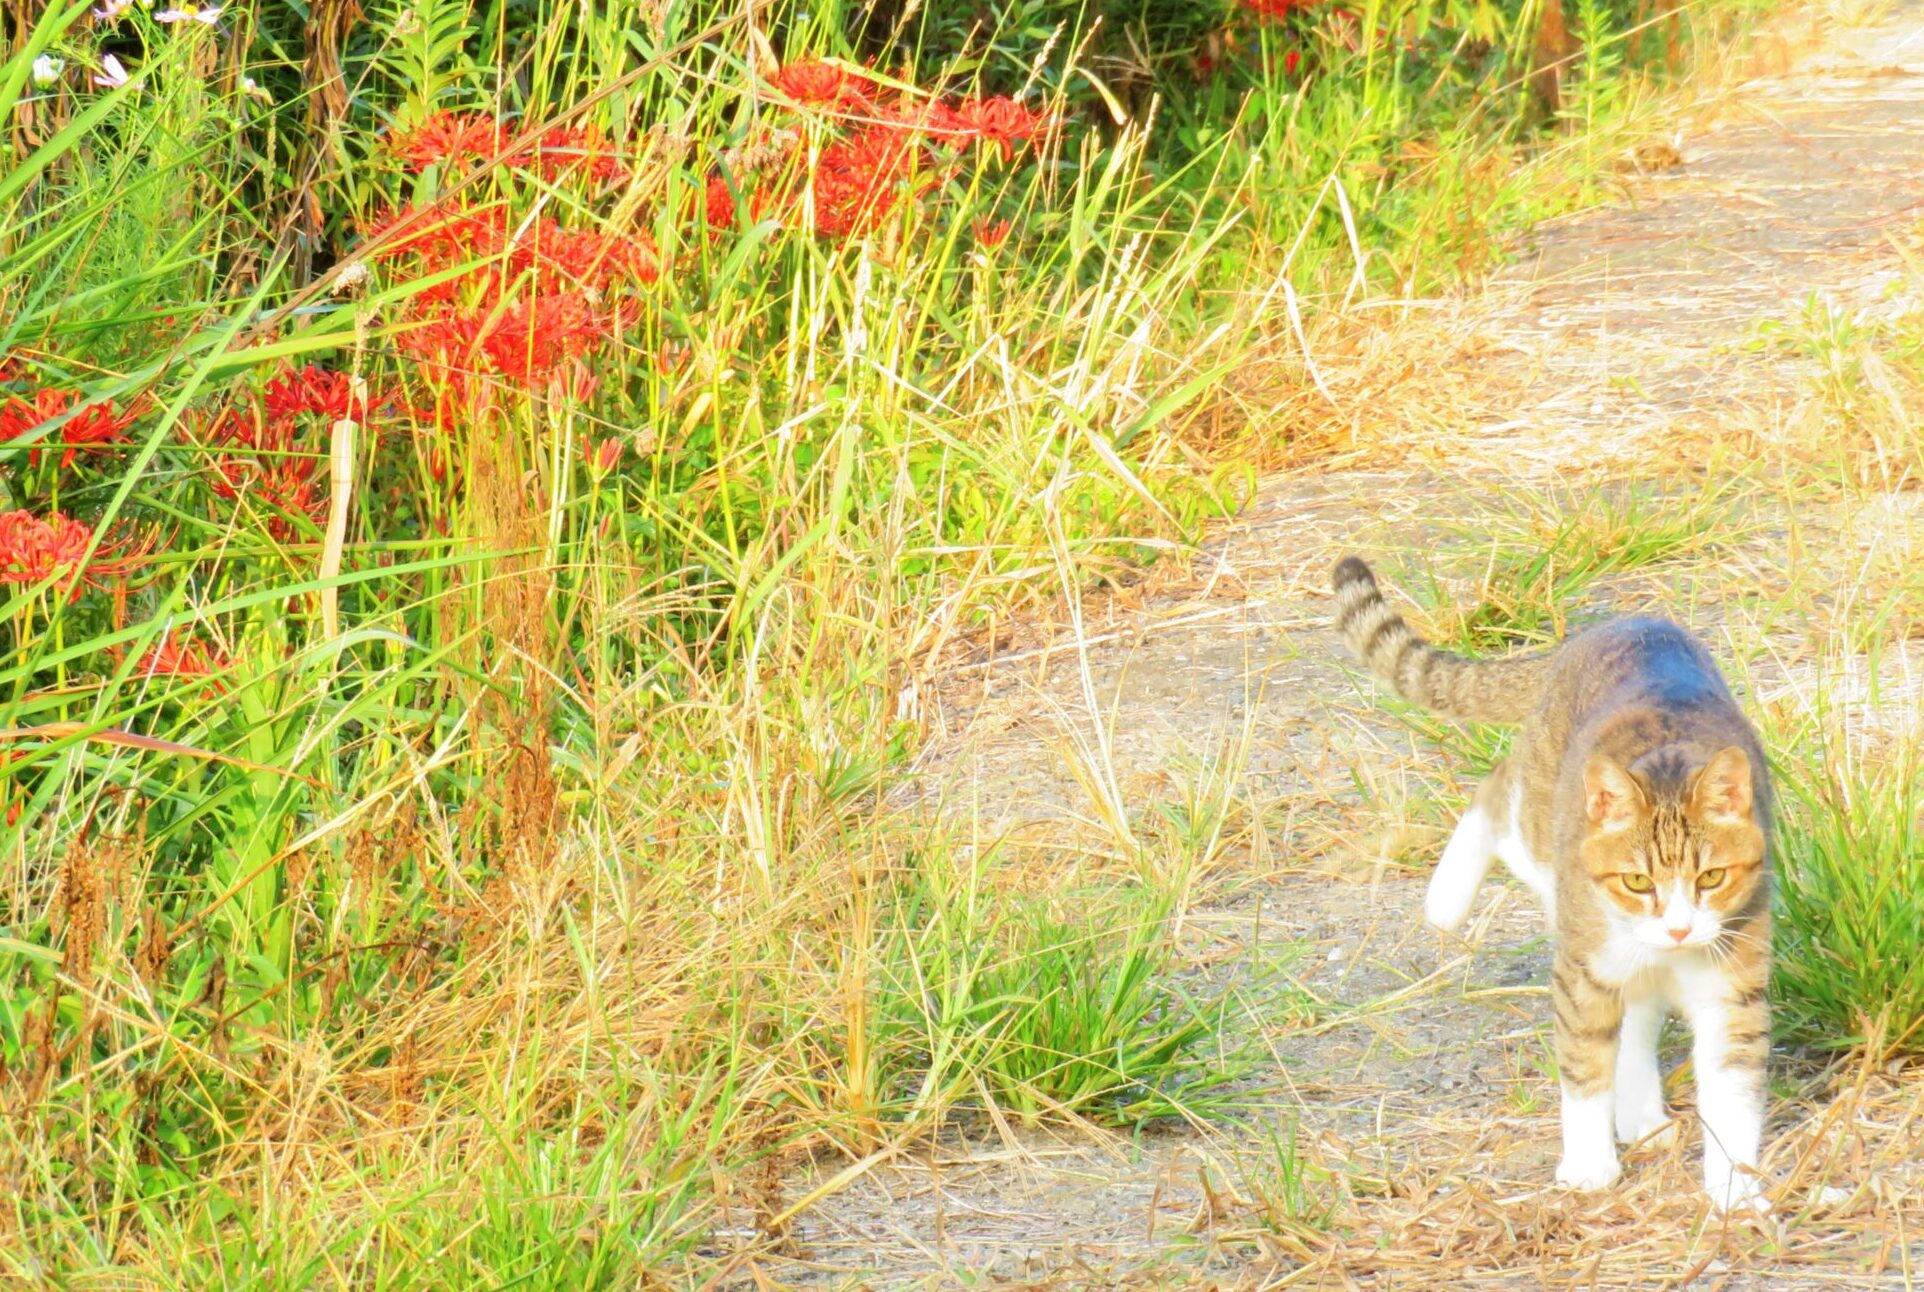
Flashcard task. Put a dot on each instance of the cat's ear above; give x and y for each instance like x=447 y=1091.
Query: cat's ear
x=1722 y=792
x=1611 y=795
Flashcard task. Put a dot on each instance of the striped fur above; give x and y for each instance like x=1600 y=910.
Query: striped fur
x=1498 y=690
x=1635 y=801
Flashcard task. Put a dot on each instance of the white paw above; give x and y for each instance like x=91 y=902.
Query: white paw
x=1446 y=908
x=1736 y=1192
x=1634 y=1125
x=1588 y=1171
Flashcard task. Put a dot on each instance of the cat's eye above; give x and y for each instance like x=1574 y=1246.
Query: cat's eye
x=1711 y=878
x=1638 y=883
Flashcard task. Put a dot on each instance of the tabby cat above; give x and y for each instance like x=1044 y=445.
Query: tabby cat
x=1635 y=803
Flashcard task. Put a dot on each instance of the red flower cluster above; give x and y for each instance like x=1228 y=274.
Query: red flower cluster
x=272 y=455
x=999 y=120
x=34 y=551
x=819 y=84
x=437 y=237
x=463 y=139
x=859 y=180
x=267 y=468
x=889 y=155
x=602 y=457
x=519 y=302
x=525 y=341
x=578 y=151
x=459 y=137
x=168 y=658
x=1276 y=10
x=992 y=233
x=313 y=390
x=517 y=299
x=93 y=427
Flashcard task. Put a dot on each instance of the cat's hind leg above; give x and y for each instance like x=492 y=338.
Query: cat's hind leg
x=1467 y=856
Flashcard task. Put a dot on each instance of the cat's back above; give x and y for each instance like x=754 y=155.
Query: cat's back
x=1637 y=659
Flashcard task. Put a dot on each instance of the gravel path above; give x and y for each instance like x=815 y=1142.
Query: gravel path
x=1620 y=353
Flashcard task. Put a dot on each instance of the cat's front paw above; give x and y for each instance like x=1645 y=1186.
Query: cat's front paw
x=1588 y=1171
x=1736 y=1191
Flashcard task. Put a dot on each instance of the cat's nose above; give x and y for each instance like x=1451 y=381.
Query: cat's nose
x=1678 y=935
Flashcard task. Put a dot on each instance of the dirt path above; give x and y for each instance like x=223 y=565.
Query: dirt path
x=1619 y=354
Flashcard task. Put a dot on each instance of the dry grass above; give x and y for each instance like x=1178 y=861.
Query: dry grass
x=1417 y=1072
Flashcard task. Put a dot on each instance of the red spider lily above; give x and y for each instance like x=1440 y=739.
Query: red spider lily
x=718 y=207
x=321 y=391
x=34 y=551
x=859 y=180
x=554 y=257
x=168 y=658
x=531 y=340
x=459 y=137
x=447 y=345
x=580 y=150
x=1276 y=10
x=586 y=257
x=463 y=138
x=267 y=466
x=999 y=120
x=527 y=342
x=93 y=426
x=285 y=489
x=992 y=233
x=603 y=457
x=638 y=258
x=234 y=428
x=440 y=237
x=815 y=82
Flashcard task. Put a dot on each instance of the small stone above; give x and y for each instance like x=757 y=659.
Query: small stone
x=1833 y=1196
x=1335 y=954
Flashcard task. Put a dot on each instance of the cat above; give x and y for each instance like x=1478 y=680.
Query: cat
x=1635 y=802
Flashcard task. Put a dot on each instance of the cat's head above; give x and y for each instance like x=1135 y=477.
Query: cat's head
x=1674 y=845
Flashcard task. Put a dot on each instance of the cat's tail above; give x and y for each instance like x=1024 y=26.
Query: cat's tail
x=1482 y=690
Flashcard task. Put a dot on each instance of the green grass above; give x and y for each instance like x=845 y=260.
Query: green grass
x=1850 y=897
x=1850 y=879
x=1868 y=383
x=1288 y=1193
x=1540 y=560
x=1065 y=1005
x=505 y=878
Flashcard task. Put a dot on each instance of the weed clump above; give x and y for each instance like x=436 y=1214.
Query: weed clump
x=1850 y=901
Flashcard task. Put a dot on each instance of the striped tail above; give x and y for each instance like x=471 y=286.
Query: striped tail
x=1495 y=690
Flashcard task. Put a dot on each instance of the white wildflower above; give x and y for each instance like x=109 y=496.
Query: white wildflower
x=111 y=75
x=206 y=14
